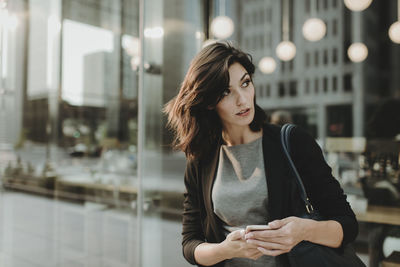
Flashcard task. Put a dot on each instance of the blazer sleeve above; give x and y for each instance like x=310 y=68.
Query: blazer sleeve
x=322 y=188
x=192 y=232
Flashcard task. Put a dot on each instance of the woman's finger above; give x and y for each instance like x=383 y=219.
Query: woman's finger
x=267 y=245
x=266 y=234
x=285 y=241
x=271 y=252
x=235 y=235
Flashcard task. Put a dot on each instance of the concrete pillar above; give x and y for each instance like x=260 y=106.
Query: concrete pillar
x=357 y=82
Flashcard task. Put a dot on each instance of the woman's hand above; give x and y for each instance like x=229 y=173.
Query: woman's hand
x=282 y=236
x=235 y=246
x=207 y=254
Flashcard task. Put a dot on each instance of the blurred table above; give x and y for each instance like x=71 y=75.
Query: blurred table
x=381 y=219
x=393 y=260
x=380 y=214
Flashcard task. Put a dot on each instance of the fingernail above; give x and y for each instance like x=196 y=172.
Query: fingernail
x=242 y=232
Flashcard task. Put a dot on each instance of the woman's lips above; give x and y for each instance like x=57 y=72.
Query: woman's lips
x=244 y=114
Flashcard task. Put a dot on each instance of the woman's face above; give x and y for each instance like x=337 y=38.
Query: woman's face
x=236 y=108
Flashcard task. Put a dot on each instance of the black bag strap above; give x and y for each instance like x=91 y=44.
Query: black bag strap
x=285 y=134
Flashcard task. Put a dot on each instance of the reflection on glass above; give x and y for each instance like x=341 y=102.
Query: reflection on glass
x=72 y=169
x=86 y=51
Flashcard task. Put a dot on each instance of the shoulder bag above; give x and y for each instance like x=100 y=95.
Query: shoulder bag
x=306 y=253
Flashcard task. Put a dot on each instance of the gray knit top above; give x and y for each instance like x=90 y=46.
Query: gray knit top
x=240 y=194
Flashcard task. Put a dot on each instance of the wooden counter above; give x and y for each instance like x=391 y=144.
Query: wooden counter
x=380 y=214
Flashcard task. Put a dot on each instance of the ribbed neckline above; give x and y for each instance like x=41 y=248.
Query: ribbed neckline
x=242 y=145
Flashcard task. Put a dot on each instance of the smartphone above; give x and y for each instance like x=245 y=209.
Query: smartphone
x=258 y=227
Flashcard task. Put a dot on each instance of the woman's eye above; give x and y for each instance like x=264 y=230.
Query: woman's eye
x=246 y=83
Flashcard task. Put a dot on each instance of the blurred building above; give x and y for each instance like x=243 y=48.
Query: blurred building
x=321 y=86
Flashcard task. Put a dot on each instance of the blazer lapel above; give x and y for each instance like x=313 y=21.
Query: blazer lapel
x=209 y=172
x=276 y=173
x=209 y=177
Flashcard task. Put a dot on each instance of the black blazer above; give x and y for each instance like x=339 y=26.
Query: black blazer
x=200 y=223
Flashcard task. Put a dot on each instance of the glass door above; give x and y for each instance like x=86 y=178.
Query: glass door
x=72 y=167
x=172 y=35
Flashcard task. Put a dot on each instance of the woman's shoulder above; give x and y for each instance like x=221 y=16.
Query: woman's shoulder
x=271 y=129
x=297 y=136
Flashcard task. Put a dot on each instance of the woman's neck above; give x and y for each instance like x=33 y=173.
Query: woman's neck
x=234 y=137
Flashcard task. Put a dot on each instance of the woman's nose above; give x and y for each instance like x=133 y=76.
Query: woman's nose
x=240 y=99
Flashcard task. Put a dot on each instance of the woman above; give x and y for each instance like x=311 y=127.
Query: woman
x=237 y=174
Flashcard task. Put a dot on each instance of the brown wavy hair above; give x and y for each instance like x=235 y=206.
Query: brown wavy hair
x=191 y=114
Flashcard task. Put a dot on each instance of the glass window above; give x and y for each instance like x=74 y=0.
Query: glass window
x=291 y=19
x=74 y=158
x=325 y=84
x=316 y=58
x=337 y=126
x=268 y=91
x=293 y=88
x=327 y=27
x=347 y=33
x=334 y=55
x=334 y=83
x=316 y=86
x=261 y=90
x=325 y=4
x=307 y=6
x=347 y=82
x=281 y=89
x=325 y=57
x=334 y=27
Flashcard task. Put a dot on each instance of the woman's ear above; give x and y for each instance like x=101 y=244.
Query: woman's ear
x=209 y=107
